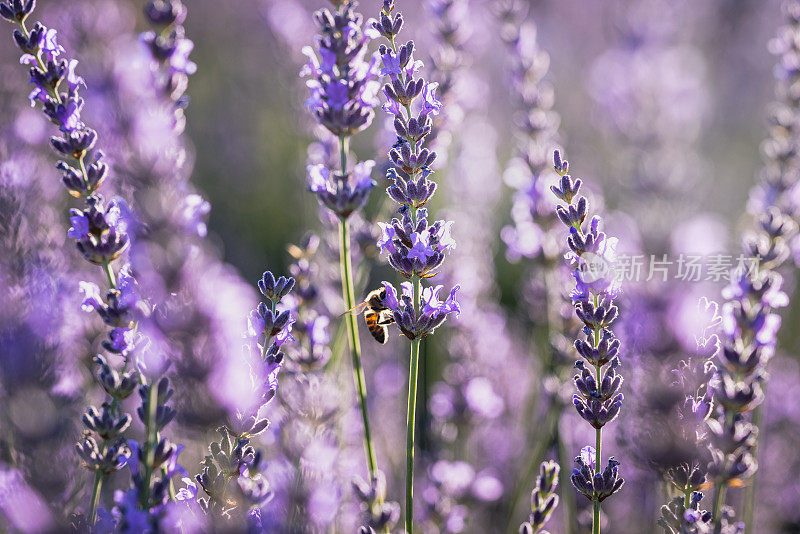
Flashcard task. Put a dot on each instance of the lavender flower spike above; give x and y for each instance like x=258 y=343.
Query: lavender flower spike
x=750 y=323
x=415 y=247
x=591 y=256
x=100 y=234
x=543 y=499
x=343 y=90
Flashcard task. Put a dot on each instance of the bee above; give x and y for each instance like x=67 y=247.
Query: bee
x=377 y=316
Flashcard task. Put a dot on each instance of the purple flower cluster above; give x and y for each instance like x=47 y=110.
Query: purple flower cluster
x=99 y=231
x=343 y=86
x=432 y=312
x=678 y=517
x=750 y=323
x=591 y=255
x=415 y=248
x=543 y=499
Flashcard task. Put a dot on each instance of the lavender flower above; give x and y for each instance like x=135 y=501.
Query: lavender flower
x=343 y=92
x=344 y=86
x=543 y=499
x=100 y=232
x=591 y=258
x=231 y=474
x=680 y=517
x=750 y=324
x=415 y=248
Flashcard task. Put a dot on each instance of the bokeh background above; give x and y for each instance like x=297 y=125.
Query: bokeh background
x=663 y=107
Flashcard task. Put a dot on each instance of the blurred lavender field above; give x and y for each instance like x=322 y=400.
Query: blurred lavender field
x=176 y=351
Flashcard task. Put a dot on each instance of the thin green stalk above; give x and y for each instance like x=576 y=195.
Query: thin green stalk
x=355 y=345
x=749 y=506
x=150 y=438
x=595 y=517
x=413 y=376
x=719 y=500
x=112 y=281
x=597 y=465
x=598 y=446
x=98 y=484
x=352 y=326
x=687 y=499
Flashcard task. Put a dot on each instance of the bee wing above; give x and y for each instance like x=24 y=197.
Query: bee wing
x=386 y=317
x=357 y=309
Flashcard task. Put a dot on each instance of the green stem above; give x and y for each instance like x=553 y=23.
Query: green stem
x=595 y=517
x=687 y=499
x=749 y=506
x=355 y=345
x=112 y=280
x=98 y=483
x=411 y=414
x=413 y=376
x=598 y=445
x=598 y=442
x=719 y=500
x=150 y=438
x=352 y=326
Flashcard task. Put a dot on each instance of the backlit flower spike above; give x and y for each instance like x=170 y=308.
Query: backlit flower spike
x=98 y=229
x=416 y=248
x=750 y=323
x=343 y=81
x=543 y=499
x=591 y=257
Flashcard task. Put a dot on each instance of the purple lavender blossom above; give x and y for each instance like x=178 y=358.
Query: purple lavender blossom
x=415 y=248
x=598 y=400
x=543 y=499
x=343 y=92
x=100 y=232
x=749 y=322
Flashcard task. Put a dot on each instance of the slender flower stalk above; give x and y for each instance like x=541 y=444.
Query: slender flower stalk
x=770 y=201
x=415 y=248
x=591 y=257
x=343 y=92
x=231 y=478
